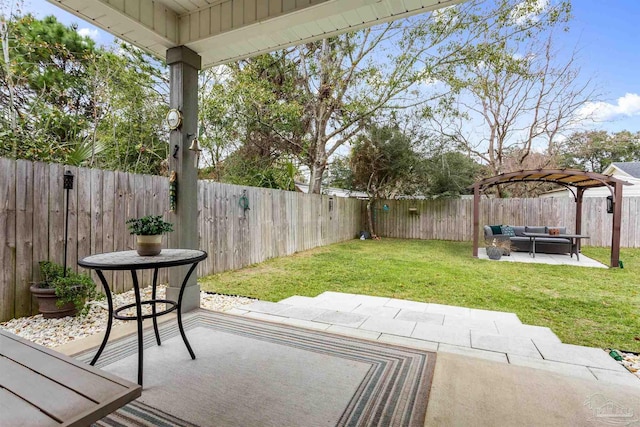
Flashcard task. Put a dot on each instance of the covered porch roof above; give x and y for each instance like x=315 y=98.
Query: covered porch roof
x=197 y=34
x=222 y=31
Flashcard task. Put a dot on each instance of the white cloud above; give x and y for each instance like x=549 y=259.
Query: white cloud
x=528 y=11
x=89 y=32
x=626 y=106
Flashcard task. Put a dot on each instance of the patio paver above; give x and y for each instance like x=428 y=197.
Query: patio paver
x=443 y=334
x=389 y=326
x=482 y=334
x=474 y=352
x=417 y=316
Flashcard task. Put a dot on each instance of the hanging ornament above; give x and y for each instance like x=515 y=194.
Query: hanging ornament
x=173 y=191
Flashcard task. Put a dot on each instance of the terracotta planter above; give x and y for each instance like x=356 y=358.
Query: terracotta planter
x=47 y=303
x=149 y=245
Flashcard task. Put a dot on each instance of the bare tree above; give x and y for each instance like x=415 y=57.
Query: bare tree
x=513 y=104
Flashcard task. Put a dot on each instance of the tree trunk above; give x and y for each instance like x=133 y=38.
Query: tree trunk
x=315 y=179
x=370 y=208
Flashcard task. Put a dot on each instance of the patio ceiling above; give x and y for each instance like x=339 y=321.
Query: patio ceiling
x=222 y=31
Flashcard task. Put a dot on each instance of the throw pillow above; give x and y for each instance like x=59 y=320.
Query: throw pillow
x=508 y=231
x=496 y=229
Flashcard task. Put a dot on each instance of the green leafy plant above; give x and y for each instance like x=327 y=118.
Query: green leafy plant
x=50 y=272
x=149 y=225
x=77 y=289
x=70 y=287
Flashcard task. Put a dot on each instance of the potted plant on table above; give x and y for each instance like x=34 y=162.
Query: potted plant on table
x=149 y=230
x=62 y=293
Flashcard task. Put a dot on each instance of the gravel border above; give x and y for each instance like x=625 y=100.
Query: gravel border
x=55 y=332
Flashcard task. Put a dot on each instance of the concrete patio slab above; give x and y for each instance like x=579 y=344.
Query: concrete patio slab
x=409 y=305
x=417 y=316
x=303 y=312
x=298 y=301
x=408 y=342
x=266 y=307
x=487 y=326
x=468 y=391
x=305 y=323
x=377 y=311
x=354 y=332
x=474 y=352
x=536 y=333
x=552 y=259
x=473 y=333
x=579 y=355
x=389 y=326
x=448 y=310
x=614 y=377
x=496 y=316
x=442 y=334
x=557 y=367
x=341 y=318
x=521 y=346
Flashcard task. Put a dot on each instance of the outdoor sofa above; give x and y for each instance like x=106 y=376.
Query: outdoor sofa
x=520 y=242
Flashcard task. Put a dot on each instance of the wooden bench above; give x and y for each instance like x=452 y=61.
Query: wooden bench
x=40 y=387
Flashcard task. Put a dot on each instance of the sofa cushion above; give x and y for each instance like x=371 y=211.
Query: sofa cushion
x=496 y=229
x=519 y=230
x=487 y=231
x=542 y=230
x=508 y=231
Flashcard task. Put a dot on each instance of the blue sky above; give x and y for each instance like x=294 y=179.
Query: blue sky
x=606 y=35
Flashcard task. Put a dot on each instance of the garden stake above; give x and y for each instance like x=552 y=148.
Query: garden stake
x=67 y=184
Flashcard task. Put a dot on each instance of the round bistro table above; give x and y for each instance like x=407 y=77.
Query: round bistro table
x=130 y=260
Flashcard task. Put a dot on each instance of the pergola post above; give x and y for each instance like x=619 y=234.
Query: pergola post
x=579 y=196
x=183 y=85
x=476 y=218
x=617 y=222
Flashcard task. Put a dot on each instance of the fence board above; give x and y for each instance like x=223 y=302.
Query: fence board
x=40 y=221
x=24 y=238
x=7 y=238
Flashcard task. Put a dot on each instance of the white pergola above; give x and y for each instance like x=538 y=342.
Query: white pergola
x=196 y=34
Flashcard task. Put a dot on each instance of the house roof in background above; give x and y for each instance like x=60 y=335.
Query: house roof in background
x=629 y=168
x=332 y=191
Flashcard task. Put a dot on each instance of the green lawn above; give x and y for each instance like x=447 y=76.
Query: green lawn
x=586 y=306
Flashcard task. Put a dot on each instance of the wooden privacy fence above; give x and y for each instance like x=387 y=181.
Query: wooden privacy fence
x=277 y=222
x=452 y=219
x=32 y=223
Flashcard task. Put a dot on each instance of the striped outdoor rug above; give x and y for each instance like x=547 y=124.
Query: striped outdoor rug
x=254 y=373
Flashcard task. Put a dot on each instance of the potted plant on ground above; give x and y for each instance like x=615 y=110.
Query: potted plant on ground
x=498 y=247
x=61 y=294
x=149 y=230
